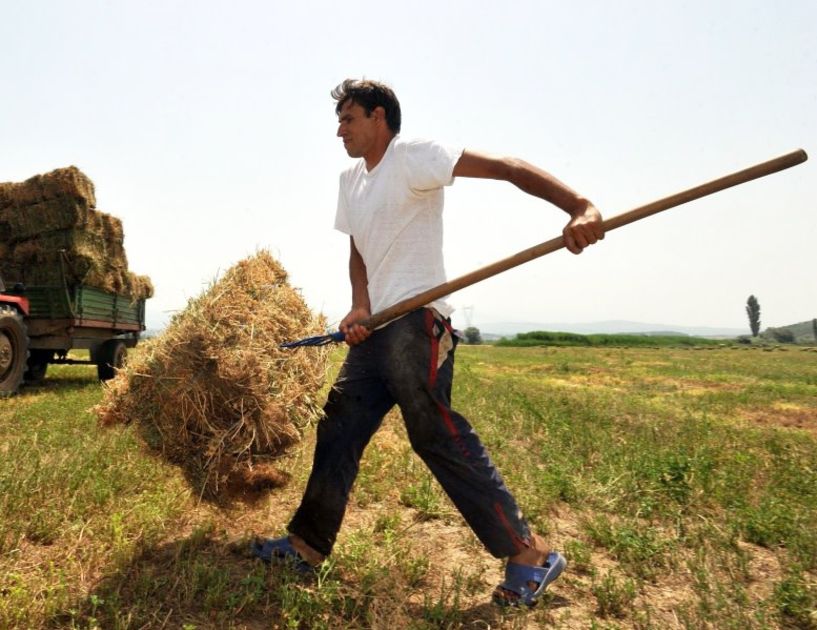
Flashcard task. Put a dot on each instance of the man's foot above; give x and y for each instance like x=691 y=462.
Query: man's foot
x=528 y=574
x=289 y=549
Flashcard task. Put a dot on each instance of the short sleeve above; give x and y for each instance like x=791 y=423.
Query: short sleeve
x=342 y=212
x=429 y=164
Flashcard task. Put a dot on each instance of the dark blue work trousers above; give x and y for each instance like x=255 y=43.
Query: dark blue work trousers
x=409 y=362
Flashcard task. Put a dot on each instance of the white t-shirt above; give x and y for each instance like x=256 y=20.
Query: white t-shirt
x=394 y=215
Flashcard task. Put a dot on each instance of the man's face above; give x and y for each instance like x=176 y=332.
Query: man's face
x=357 y=130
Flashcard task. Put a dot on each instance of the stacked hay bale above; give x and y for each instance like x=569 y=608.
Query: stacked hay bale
x=49 y=226
x=214 y=393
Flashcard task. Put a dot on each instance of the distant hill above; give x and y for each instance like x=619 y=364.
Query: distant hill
x=803 y=332
x=509 y=329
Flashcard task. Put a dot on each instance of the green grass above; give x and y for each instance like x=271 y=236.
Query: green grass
x=680 y=482
x=73 y=498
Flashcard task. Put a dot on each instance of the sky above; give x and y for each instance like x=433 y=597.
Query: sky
x=208 y=128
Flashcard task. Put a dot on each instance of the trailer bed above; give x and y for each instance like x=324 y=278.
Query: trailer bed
x=80 y=313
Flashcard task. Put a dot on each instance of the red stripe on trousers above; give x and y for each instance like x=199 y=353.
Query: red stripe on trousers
x=518 y=542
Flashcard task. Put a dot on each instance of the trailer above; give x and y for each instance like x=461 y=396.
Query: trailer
x=39 y=325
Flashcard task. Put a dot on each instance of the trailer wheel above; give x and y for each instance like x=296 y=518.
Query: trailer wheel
x=110 y=358
x=38 y=361
x=13 y=350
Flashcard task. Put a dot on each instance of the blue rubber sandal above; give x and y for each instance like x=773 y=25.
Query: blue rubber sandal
x=517 y=577
x=281 y=551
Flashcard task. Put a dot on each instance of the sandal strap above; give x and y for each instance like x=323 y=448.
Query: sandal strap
x=517 y=577
x=281 y=550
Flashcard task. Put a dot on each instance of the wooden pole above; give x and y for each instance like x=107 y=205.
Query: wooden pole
x=734 y=179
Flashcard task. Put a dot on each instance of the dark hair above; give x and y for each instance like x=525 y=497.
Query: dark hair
x=369 y=94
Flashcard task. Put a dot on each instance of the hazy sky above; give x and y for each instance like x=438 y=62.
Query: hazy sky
x=208 y=128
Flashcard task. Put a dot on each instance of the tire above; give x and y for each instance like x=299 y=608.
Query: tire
x=110 y=357
x=13 y=350
x=37 y=365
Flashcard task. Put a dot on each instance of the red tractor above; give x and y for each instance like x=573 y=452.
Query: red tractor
x=13 y=340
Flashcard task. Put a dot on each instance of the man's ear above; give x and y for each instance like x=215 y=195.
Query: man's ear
x=379 y=113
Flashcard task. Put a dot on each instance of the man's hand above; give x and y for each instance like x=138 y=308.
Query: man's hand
x=583 y=229
x=350 y=326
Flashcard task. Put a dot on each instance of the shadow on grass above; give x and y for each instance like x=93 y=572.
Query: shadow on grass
x=201 y=581
x=206 y=581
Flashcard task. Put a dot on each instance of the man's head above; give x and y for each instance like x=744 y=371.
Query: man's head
x=369 y=95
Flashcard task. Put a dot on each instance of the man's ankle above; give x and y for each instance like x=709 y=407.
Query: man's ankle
x=309 y=554
x=534 y=554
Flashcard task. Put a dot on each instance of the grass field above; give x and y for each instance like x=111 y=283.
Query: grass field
x=680 y=483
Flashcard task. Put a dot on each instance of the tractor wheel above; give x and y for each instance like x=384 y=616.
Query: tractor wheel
x=37 y=365
x=110 y=357
x=13 y=350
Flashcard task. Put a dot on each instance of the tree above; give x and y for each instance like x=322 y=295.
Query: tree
x=814 y=328
x=753 y=311
x=472 y=336
x=782 y=335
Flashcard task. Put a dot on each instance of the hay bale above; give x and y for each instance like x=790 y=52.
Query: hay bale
x=49 y=223
x=5 y=194
x=214 y=393
x=60 y=183
x=138 y=287
x=26 y=222
x=41 y=261
x=114 y=236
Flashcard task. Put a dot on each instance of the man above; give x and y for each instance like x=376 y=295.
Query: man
x=390 y=203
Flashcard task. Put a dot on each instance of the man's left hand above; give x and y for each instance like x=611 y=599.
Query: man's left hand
x=583 y=229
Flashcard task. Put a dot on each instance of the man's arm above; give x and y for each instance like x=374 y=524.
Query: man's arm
x=585 y=226
x=361 y=306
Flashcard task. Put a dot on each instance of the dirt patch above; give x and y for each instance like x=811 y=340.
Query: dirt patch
x=785 y=415
x=698 y=386
x=764 y=567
